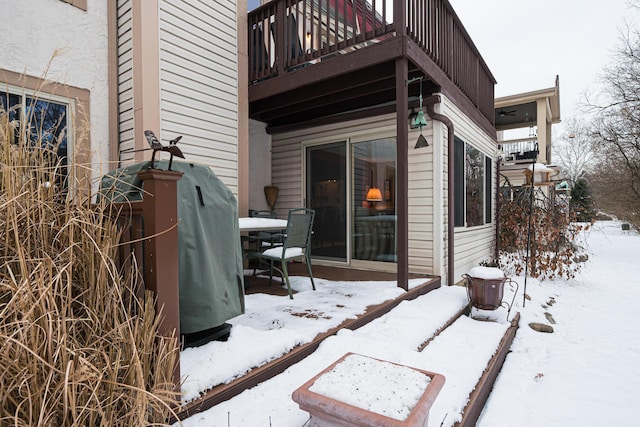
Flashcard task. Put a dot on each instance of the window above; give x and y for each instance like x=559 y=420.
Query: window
x=54 y=115
x=43 y=123
x=472 y=184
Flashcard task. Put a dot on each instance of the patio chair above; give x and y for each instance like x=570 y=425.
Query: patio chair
x=264 y=238
x=295 y=246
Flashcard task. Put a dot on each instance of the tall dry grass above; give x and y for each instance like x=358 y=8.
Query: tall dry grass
x=77 y=347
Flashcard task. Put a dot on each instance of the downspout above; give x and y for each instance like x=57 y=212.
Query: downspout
x=496 y=253
x=450 y=182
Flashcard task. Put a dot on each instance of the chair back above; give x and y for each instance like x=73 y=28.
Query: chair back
x=261 y=214
x=299 y=228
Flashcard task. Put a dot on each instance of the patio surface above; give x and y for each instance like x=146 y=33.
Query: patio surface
x=260 y=282
x=436 y=320
x=260 y=285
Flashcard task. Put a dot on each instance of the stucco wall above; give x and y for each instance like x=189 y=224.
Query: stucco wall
x=39 y=28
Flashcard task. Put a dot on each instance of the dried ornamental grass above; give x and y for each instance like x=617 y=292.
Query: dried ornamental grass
x=77 y=346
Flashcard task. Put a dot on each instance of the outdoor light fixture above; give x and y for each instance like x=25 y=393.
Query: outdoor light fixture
x=418 y=120
x=412 y=118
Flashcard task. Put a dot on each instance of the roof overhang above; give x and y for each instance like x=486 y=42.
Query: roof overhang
x=520 y=110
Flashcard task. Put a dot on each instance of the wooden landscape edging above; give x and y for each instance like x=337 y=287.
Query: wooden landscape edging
x=480 y=394
x=225 y=392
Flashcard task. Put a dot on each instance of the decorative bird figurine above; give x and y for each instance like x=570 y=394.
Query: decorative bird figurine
x=156 y=146
x=152 y=140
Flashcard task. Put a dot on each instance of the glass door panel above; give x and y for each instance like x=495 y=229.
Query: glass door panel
x=326 y=193
x=373 y=199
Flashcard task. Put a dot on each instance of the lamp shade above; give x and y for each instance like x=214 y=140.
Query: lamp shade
x=374 y=195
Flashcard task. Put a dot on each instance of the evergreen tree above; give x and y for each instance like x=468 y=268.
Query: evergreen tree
x=581 y=201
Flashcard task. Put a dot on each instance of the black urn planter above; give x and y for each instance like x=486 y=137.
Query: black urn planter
x=485 y=294
x=485 y=288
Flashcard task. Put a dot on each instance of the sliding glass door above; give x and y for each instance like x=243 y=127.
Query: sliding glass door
x=373 y=230
x=326 y=186
x=358 y=224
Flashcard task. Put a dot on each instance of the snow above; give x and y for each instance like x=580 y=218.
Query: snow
x=277 y=253
x=539 y=167
x=251 y=223
x=275 y=325
x=365 y=382
x=486 y=273
x=587 y=372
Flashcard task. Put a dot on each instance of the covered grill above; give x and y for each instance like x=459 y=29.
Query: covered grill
x=210 y=254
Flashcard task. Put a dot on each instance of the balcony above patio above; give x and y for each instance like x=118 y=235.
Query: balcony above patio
x=315 y=62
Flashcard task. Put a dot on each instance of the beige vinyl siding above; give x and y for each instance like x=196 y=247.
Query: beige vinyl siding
x=126 y=129
x=199 y=83
x=287 y=170
x=473 y=244
x=286 y=152
x=421 y=207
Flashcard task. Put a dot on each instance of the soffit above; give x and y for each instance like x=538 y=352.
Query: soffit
x=519 y=110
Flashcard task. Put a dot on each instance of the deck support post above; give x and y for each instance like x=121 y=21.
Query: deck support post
x=402 y=165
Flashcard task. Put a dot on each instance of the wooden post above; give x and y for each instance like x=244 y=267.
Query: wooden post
x=160 y=212
x=280 y=38
x=402 y=165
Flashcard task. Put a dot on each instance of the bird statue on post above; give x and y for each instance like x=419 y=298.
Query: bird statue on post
x=156 y=146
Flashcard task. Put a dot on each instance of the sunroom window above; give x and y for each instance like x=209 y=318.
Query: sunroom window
x=472 y=182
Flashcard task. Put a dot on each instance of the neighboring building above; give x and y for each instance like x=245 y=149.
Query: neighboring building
x=536 y=111
x=329 y=86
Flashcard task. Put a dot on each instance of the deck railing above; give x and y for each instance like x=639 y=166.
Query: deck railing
x=286 y=35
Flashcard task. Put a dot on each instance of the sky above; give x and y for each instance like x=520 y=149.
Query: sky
x=527 y=43
x=585 y=373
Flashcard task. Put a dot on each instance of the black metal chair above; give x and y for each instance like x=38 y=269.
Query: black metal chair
x=296 y=245
x=264 y=238
x=256 y=241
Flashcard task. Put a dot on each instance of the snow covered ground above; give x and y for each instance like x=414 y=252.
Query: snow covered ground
x=585 y=373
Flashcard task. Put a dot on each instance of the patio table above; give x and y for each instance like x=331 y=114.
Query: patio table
x=257 y=224
x=261 y=224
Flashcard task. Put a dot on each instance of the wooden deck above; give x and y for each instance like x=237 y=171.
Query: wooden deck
x=260 y=284
x=477 y=398
x=256 y=285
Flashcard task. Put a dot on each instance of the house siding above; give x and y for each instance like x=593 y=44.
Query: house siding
x=199 y=83
x=287 y=174
x=473 y=244
x=126 y=123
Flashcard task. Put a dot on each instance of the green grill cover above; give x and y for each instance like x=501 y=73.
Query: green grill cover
x=210 y=253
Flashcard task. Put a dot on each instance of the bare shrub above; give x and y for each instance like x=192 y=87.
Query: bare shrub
x=552 y=238
x=77 y=346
